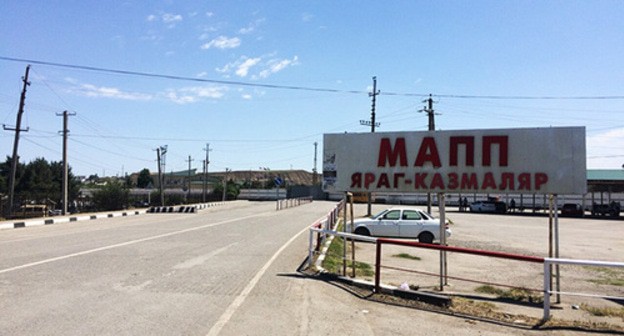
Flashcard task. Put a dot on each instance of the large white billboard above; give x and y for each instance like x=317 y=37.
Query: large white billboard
x=527 y=160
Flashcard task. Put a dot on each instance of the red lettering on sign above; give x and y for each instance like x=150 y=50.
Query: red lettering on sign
x=428 y=152
x=383 y=181
x=453 y=181
x=390 y=155
x=540 y=179
x=468 y=141
x=356 y=180
x=503 y=150
x=507 y=182
x=437 y=182
x=524 y=181
x=397 y=177
x=369 y=178
x=469 y=181
x=488 y=182
x=419 y=182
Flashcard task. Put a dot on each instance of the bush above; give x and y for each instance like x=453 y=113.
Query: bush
x=113 y=196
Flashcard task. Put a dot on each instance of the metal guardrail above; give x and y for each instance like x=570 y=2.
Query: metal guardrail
x=292 y=202
x=320 y=229
x=548 y=262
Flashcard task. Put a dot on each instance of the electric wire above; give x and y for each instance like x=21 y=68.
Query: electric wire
x=300 y=88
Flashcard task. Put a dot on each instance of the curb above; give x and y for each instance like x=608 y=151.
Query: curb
x=194 y=208
x=430 y=298
x=68 y=219
x=49 y=221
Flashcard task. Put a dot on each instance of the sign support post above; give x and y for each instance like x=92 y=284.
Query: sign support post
x=443 y=265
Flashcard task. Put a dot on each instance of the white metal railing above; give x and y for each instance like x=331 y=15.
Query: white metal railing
x=319 y=229
x=548 y=262
x=292 y=202
x=324 y=232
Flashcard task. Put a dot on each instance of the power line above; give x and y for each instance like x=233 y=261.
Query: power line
x=183 y=139
x=181 y=78
x=303 y=88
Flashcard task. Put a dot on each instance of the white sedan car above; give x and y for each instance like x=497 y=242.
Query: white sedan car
x=401 y=223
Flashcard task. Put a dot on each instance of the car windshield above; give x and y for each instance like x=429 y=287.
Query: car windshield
x=379 y=215
x=384 y=212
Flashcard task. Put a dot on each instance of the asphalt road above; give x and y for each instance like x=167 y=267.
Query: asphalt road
x=229 y=270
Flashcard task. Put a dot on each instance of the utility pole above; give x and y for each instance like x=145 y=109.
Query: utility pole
x=227 y=170
x=372 y=122
x=314 y=171
x=17 y=129
x=206 y=163
x=430 y=113
x=65 y=132
x=189 y=178
x=160 y=156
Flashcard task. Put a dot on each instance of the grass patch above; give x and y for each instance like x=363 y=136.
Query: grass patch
x=604 y=311
x=473 y=308
x=608 y=276
x=407 y=256
x=514 y=294
x=488 y=310
x=333 y=259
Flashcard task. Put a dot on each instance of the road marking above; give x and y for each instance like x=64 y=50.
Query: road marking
x=238 y=301
x=131 y=242
x=197 y=261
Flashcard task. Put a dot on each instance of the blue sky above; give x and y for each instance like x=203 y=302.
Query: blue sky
x=414 y=48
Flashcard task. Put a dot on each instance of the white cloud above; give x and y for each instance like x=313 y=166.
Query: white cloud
x=251 y=27
x=222 y=42
x=246 y=96
x=179 y=98
x=202 y=74
x=226 y=68
x=91 y=90
x=605 y=150
x=195 y=94
x=209 y=14
x=243 y=68
x=167 y=18
x=307 y=17
x=277 y=65
x=171 y=18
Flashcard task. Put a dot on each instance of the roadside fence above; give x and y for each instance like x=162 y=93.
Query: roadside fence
x=292 y=202
x=326 y=226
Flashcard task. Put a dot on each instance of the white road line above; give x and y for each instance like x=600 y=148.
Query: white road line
x=131 y=242
x=238 y=301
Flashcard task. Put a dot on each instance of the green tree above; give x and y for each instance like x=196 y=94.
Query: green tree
x=144 y=179
x=233 y=190
x=38 y=181
x=113 y=196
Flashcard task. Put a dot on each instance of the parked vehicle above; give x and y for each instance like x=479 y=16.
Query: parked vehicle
x=31 y=211
x=401 y=223
x=488 y=206
x=482 y=206
x=572 y=210
x=612 y=209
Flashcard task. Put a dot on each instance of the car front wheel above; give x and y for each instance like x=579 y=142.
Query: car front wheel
x=425 y=237
x=362 y=231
